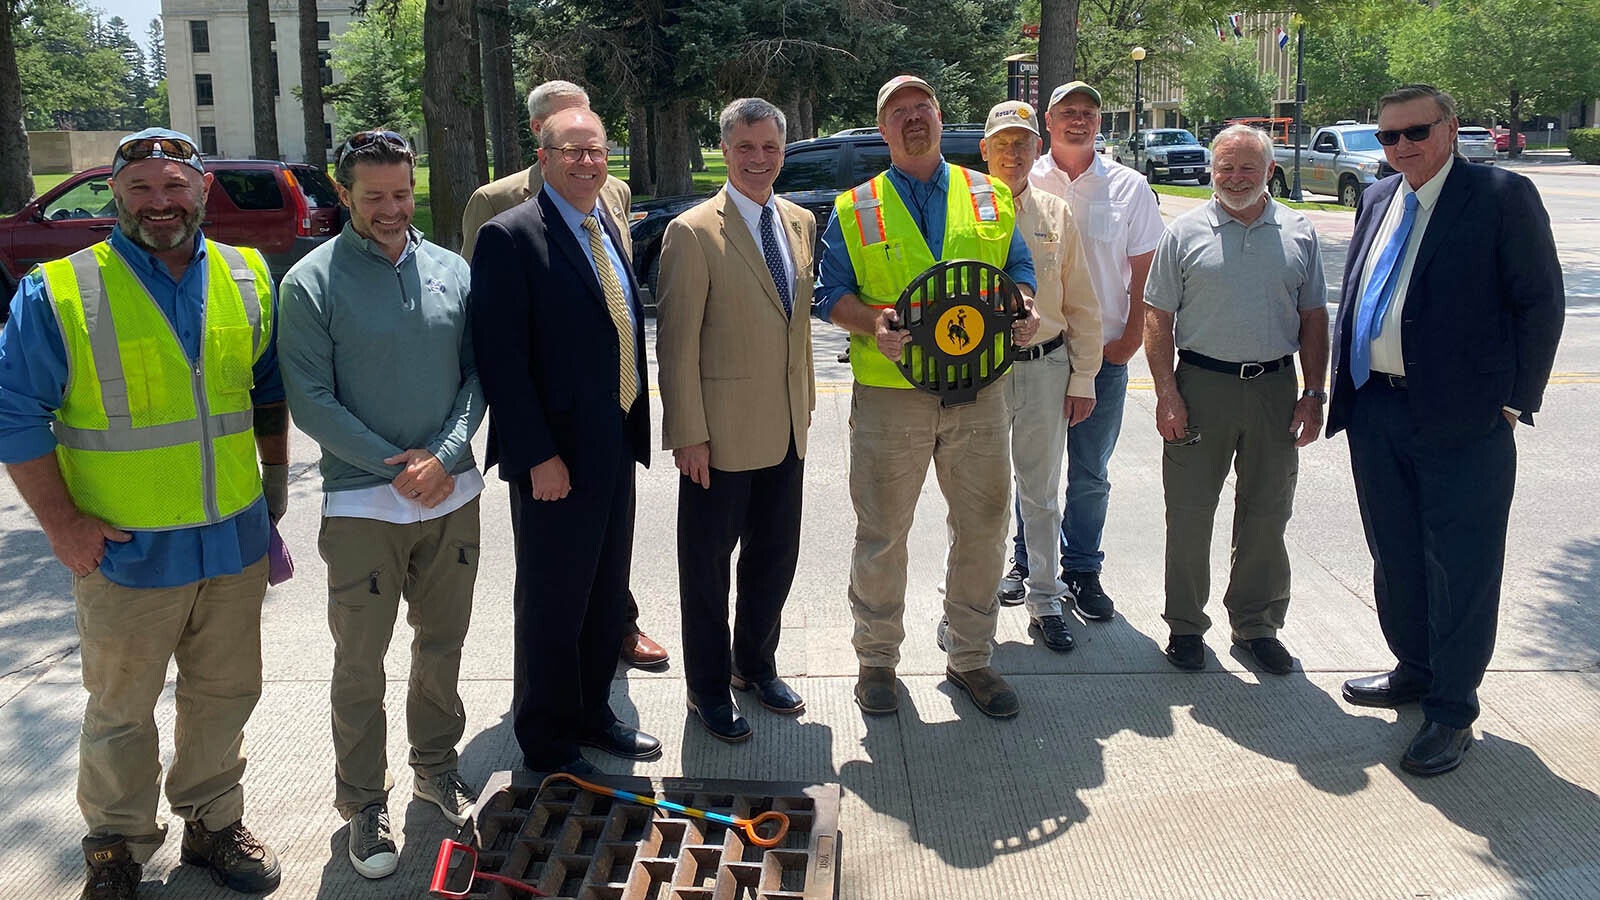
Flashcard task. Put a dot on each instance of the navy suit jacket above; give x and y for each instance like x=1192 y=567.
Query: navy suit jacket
x=1483 y=310
x=547 y=349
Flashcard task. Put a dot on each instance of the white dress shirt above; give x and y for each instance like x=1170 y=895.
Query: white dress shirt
x=751 y=212
x=385 y=504
x=1387 y=355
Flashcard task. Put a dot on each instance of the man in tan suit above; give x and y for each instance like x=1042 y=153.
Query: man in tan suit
x=737 y=390
x=502 y=194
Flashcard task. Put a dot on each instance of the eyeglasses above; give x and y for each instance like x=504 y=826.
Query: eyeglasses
x=579 y=154
x=1415 y=134
x=361 y=140
x=160 y=148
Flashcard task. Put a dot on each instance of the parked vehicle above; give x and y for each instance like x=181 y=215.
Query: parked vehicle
x=1166 y=154
x=1099 y=143
x=814 y=172
x=1476 y=144
x=1342 y=160
x=281 y=209
x=1502 y=139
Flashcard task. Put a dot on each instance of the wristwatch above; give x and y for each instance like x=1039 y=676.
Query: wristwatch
x=1320 y=395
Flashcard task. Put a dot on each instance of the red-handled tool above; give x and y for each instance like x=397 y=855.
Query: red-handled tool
x=457 y=868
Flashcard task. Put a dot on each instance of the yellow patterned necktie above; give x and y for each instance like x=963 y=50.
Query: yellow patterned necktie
x=617 y=303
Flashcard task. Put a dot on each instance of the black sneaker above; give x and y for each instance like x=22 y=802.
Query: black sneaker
x=112 y=875
x=237 y=860
x=940 y=630
x=1092 y=602
x=1187 y=651
x=1013 y=587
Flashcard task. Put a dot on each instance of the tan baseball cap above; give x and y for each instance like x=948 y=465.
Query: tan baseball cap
x=900 y=81
x=1074 y=87
x=1011 y=114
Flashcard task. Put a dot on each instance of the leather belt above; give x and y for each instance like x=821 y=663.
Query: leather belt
x=1023 y=354
x=1397 y=382
x=1243 y=370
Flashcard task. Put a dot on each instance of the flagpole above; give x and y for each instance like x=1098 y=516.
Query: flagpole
x=1299 y=101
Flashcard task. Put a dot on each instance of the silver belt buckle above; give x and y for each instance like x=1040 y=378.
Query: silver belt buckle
x=1246 y=374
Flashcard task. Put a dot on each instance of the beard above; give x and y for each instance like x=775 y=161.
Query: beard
x=1239 y=206
x=920 y=143
x=184 y=228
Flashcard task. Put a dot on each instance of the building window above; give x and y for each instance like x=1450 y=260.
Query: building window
x=208 y=140
x=325 y=60
x=274 y=73
x=324 y=31
x=202 y=91
x=199 y=36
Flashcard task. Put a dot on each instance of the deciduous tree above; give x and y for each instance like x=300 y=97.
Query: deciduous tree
x=263 y=105
x=311 y=85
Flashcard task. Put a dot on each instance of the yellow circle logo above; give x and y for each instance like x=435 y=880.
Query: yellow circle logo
x=959 y=331
x=1022 y=112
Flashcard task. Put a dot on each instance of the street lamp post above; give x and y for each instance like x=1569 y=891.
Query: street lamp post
x=1138 y=97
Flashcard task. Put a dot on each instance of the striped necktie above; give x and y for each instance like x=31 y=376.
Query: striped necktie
x=617 y=304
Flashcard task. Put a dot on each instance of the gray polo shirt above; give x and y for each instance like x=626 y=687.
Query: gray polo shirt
x=1237 y=290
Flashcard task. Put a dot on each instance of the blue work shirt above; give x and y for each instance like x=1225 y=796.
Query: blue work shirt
x=928 y=202
x=33 y=381
x=574 y=219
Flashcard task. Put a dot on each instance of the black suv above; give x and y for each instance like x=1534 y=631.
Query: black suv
x=814 y=172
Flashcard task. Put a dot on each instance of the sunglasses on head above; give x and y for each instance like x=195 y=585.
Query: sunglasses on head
x=160 y=148
x=361 y=140
x=1415 y=134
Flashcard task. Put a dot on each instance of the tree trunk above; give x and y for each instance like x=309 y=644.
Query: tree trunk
x=808 y=114
x=1514 y=110
x=16 y=172
x=311 y=86
x=652 y=138
x=793 y=129
x=697 y=156
x=672 y=143
x=639 y=180
x=1058 y=45
x=499 y=88
x=452 y=108
x=264 y=105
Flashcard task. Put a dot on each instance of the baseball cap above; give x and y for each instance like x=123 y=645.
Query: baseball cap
x=1074 y=87
x=158 y=143
x=900 y=81
x=1011 y=114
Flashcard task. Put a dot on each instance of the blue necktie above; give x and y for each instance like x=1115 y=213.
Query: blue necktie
x=1380 y=291
x=774 y=256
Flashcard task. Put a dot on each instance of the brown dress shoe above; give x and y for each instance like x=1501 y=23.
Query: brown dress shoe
x=639 y=650
x=994 y=698
x=875 y=690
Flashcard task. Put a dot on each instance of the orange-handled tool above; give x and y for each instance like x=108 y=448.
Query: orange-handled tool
x=751 y=827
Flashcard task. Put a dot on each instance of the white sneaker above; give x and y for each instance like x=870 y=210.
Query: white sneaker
x=450 y=793
x=372 y=849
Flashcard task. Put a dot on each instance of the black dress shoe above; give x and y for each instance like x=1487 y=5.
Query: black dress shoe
x=1057 y=636
x=773 y=693
x=1269 y=653
x=1436 y=749
x=1187 y=651
x=723 y=721
x=1384 y=691
x=624 y=741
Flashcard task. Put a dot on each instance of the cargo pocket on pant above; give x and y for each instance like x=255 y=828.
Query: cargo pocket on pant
x=466 y=554
x=356 y=593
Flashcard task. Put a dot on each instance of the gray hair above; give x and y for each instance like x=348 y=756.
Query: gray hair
x=1260 y=138
x=749 y=111
x=1409 y=92
x=541 y=98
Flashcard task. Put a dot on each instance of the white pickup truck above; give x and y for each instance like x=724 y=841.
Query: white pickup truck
x=1342 y=160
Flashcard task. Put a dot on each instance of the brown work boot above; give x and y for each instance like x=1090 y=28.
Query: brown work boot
x=988 y=690
x=113 y=875
x=237 y=860
x=875 y=692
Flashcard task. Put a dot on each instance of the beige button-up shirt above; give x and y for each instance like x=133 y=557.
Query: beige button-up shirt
x=1065 y=296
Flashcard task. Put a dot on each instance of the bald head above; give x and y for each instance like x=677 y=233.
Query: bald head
x=572 y=155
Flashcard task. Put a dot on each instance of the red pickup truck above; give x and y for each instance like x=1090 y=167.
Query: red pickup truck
x=281 y=209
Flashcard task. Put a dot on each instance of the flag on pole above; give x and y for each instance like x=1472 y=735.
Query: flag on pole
x=1221 y=35
x=1236 y=20
x=1283 y=40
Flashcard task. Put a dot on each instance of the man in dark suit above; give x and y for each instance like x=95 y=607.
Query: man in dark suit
x=1448 y=324
x=559 y=330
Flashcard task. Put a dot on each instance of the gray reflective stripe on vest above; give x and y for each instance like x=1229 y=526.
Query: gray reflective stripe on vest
x=152 y=437
x=983 y=198
x=102 y=338
x=245 y=278
x=867 y=221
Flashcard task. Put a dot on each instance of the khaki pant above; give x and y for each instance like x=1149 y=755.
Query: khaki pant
x=894 y=433
x=1244 y=424
x=371 y=566
x=213 y=629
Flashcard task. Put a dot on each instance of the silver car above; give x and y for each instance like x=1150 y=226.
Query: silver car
x=1476 y=144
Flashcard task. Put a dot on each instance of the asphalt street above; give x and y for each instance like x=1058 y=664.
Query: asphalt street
x=1122 y=778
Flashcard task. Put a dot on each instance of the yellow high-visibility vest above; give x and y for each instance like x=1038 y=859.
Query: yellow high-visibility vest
x=146 y=439
x=888 y=252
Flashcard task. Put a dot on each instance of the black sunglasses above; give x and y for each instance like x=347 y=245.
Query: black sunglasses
x=361 y=140
x=1415 y=134
x=160 y=148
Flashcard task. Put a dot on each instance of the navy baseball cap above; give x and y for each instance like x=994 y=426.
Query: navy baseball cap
x=157 y=143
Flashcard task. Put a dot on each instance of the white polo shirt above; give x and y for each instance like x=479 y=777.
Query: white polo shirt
x=1116 y=213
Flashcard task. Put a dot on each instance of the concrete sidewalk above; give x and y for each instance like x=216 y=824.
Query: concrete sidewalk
x=1122 y=777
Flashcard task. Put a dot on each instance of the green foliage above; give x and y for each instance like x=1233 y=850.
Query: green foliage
x=380 y=63
x=73 y=73
x=1347 y=70
x=157 y=111
x=1584 y=144
x=1224 y=80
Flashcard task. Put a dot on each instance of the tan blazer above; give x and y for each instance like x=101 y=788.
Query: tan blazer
x=734 y=370
x=501 y=194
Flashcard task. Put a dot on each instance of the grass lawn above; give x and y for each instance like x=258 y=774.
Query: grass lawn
x=42 y=183
x=1185 y=190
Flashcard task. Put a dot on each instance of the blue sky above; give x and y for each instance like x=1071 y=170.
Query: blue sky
x=137 y=13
